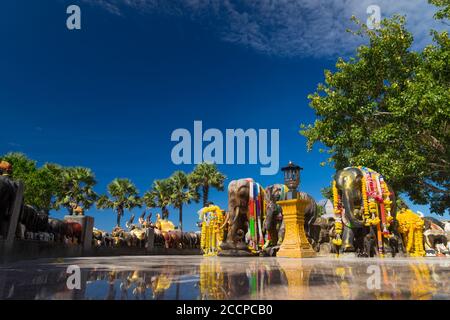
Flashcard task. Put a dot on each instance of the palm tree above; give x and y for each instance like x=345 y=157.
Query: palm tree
x=182 y=192
x=149 y=200
x=123 y=194
x=159 y=196
x=76 y=186
x=206 y=175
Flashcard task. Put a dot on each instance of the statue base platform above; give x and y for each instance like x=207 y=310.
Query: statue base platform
x=235 y=253
x=296 y=252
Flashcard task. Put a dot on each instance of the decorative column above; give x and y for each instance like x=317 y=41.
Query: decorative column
x=295 y=243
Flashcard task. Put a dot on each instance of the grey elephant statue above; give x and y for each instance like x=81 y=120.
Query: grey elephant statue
x=273 y=222
x=321 y=234
x=365 y=214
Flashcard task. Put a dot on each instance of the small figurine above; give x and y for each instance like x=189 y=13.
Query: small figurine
x=76 y=209
x=5 y=168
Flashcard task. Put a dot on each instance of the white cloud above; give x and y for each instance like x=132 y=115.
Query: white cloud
x=287 y=27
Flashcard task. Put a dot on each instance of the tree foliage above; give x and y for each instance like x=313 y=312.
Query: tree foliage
x=182 y=192
x=205 y=176
x=388 y=108
x=159 y=196
x=123 y=195
x=444 y=9
x=41 y=184
x=76 y=185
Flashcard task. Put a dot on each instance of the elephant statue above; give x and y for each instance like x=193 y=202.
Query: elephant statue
x=159 y=240
x=190 y=240
x=173 y=239
x=273 y=222
x=8 y=189
x=435 y=237
x=58 y=228
x=121 y=238
x=137 y=232
x=33 y=220
x=311 y=213
x=321 y=234
x=447 y=233
x=74 y=231
x=365 y=213
x=98 y=238
x=244 y=218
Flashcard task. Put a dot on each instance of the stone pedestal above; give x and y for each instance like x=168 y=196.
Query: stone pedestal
x=87 y=226
x=150 y=233
x=295 y=243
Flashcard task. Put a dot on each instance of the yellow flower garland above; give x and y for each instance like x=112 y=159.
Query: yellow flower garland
x=212 y=235
x=411 y=229
x=338 y=211
x=366 y=212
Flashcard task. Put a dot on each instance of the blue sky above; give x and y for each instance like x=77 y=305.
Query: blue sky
x=108 y=96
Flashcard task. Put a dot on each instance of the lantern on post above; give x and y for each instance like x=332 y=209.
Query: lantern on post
x=292 y=178
x=295 y=244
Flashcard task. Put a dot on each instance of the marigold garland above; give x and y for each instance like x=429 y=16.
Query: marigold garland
x=338 y=212
x=411 y=229
x=212 y=236
x=366 y=212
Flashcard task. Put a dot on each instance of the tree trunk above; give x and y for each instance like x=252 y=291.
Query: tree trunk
x=119 y=215
x=205 y=195
x=181 y=218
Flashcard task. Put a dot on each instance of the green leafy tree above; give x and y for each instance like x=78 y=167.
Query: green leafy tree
x=159 y=196
x=320 y=210
x=444 y=9
x=327 y=193
x=182 y=193
x=122 y=195
x=41 y=184
x=388 y=108
x=76 y=186
x=205 y=176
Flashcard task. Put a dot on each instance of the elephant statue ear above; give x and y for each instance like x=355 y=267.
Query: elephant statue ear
x=269 y=192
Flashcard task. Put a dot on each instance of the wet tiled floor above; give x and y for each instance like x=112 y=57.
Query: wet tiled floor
x=195 y=277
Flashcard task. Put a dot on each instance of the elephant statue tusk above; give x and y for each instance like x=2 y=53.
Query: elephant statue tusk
x=236 y=214
x=227 y=218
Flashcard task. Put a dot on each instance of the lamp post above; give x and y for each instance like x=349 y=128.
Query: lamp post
x=295 y=244
x=292 y=179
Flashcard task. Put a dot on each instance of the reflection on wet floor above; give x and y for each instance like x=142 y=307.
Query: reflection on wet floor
x=195 y=277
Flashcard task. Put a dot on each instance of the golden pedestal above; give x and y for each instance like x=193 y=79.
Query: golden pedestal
x=295 y=243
